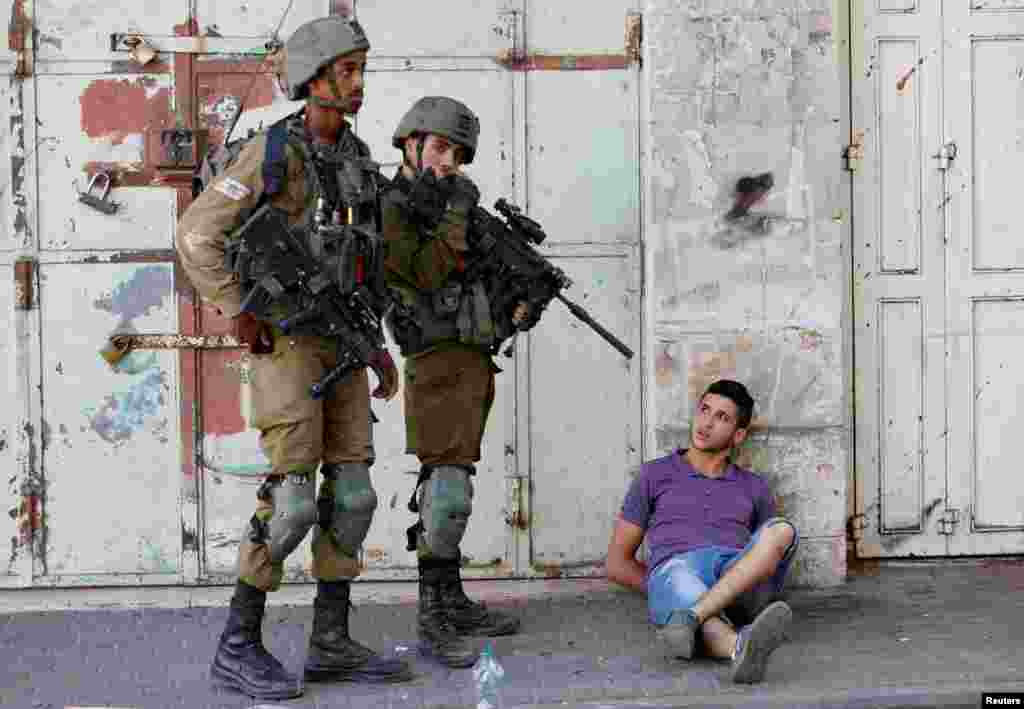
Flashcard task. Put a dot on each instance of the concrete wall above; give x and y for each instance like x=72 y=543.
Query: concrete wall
x=742 y=88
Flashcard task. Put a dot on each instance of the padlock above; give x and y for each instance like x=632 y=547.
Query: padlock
x=101 y=203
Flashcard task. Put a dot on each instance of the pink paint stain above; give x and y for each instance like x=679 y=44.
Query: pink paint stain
x=117 y=108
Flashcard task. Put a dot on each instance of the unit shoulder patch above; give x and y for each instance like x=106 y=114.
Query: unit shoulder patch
x=232 y=189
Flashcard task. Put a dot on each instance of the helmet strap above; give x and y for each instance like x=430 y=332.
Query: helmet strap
x=419 y=152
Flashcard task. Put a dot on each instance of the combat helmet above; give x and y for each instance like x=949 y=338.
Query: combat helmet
x=443 y=116
x=316 y=44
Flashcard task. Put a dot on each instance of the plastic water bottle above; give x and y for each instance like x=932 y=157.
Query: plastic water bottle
x=488 y=673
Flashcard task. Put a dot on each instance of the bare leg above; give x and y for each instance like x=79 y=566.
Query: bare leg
x=719 y=638
x=755 y=566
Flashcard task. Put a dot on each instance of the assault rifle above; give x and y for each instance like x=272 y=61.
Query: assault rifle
x=348 y=317
x=503 y=253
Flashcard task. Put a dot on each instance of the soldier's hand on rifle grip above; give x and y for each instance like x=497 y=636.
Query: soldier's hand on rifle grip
x=384 y=367
x=253 y=332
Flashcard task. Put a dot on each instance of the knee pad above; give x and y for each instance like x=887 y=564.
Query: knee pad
x=446 y=502
x=294 y=500
x=346 y=504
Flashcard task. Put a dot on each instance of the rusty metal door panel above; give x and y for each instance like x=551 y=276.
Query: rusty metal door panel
x=584 y=426
x=91 y=120
x=111 y=438
x=579 y=26
x=984 y=56
x=459 y=28
x=899 y=282
x=583 y=158
x=487 y=93
x=79 y=30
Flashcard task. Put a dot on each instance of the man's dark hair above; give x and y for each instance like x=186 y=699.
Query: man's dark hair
x=738 y=394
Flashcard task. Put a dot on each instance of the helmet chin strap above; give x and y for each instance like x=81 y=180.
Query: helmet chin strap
x=340 y=103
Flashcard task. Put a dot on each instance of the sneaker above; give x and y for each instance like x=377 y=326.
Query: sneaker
x=755 y=642
x=679 y=634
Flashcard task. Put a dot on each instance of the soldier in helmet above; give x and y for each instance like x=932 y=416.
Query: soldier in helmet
x=446 y=334
x=325 y=63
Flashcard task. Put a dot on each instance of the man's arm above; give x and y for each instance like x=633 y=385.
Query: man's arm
x=622 y=565
x=200 y=235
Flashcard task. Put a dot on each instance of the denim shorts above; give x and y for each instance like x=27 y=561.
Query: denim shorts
x=680 y=580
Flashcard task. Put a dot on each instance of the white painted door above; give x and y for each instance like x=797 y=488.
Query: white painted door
x=937 y=277
x=109 y=449
x=984 y=108
x=579 y=406
x=899 y=281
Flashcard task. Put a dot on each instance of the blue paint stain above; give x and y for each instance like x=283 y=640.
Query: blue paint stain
x=123 y=413
x=136 y=363
x=139 y=295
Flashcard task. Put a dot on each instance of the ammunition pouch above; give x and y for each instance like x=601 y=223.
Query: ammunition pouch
x=457 y=312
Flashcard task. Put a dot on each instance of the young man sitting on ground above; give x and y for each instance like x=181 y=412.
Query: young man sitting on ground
x=718 y=555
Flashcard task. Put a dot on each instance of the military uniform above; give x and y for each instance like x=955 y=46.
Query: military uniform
x=297 y=433
x=449 y=385
x=446 y=335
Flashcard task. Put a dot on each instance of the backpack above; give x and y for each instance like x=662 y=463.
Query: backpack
x=220 y=157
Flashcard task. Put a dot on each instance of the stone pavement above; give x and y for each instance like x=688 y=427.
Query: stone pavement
x=910 y=635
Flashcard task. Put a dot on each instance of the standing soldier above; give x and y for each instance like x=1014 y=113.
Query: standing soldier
x=303 y=165
x=446 y=333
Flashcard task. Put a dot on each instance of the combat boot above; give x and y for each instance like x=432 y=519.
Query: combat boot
x=333 y=654
x=470 y=617
x=242 y=663
x=438 y=636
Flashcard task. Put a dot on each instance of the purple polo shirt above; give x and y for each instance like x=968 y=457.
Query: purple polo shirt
x=681 y=510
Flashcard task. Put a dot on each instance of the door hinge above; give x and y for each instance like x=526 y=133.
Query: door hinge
x=854 y=152
x=949 y=519
x=24 y=284
x=946 y=155
x=634 y=38
x=514 y=516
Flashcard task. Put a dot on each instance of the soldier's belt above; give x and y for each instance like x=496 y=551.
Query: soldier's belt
x=118 y=346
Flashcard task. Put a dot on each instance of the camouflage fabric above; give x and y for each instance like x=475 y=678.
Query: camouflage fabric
x=449 y=387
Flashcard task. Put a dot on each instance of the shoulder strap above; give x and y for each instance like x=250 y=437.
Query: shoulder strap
x=275 y=160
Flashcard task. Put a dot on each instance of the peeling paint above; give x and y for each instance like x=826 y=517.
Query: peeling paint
x=147 y=290
x=122 y=414
x=121 y=109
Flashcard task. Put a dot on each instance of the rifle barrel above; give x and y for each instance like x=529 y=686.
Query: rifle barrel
x=608 y=337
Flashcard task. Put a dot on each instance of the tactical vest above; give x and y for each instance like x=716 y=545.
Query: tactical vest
x=340 y=227
x=459 y=311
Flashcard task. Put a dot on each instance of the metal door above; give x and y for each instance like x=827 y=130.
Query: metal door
x=579 y=404
x=936 y=330
x=984 y=90
x=899 y=278
x=109 y=493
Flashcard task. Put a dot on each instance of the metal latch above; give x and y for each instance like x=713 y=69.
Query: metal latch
x=100 y=203
x=121 y=344
x=946 y=155
x=854 y=152
x=949 y=519
x=514 y=516
x=178 y=144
